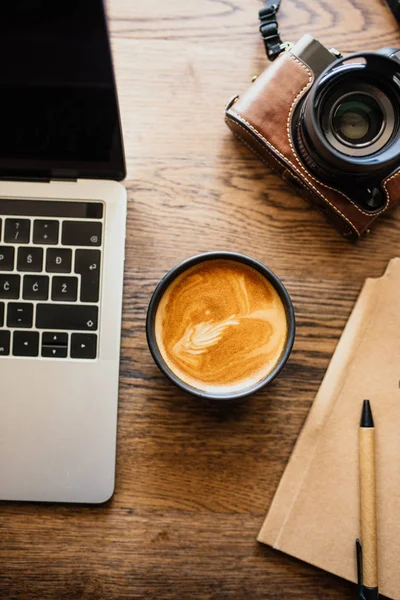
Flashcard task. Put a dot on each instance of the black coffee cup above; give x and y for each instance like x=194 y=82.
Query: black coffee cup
x=158 y=294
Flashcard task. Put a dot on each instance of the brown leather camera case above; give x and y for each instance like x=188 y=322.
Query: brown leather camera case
x=261 y=119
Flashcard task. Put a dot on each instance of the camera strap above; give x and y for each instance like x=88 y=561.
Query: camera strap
x=270 y=31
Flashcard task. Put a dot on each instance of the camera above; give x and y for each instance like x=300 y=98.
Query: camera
x=330 y=125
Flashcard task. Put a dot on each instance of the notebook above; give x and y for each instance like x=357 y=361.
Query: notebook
x=315 y=512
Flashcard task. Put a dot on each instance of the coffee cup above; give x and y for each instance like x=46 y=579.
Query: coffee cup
x=220 y=326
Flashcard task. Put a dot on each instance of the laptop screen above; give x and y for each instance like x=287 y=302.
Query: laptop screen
x=59 y=114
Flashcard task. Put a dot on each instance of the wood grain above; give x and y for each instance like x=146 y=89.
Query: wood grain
x=193 y=482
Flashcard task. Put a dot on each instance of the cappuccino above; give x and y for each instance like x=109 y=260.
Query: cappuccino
x=221 y=326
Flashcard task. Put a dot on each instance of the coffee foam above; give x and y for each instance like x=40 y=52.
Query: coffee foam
x=221 y=326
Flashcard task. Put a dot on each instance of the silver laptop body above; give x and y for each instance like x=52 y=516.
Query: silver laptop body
x=62 y=235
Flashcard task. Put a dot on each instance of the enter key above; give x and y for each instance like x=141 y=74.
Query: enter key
x=87 y=264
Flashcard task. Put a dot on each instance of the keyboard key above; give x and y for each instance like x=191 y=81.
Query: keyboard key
x=6 y=258
x=25 y=343
x=87 y=264
x=30 y=259
x=4 y=343
x=79 y=317
x=58 y=260
x=19 y=314
x=45 y=232
x=54 y=351
x=1 y=314
x=17 y=231
x=35 y=287
x=54 y=338
x=64 y=289
x=9 y=286
x=54 y=344
x=81 y=233
x=83 y=345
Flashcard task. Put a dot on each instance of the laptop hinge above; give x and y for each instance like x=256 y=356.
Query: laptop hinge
x=68 y=180
x=40 y=179
x=17 y=178
x=43 y=176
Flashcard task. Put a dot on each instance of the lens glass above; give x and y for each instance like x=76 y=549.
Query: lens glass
x=357 y=119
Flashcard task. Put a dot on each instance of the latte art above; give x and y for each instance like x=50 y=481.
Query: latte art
x=221 y=326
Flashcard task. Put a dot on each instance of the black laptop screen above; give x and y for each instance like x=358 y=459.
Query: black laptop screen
x=58 y=105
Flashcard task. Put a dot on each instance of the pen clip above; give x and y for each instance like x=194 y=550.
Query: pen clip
x=359 y=569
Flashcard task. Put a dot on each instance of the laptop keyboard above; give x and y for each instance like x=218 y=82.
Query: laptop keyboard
x=50 y=268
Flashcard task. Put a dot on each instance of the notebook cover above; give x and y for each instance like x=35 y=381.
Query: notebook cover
x=315 y=512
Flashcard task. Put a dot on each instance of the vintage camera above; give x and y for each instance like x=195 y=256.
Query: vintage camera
x=331 y=126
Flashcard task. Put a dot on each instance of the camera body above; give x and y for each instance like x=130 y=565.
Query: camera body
x=331 y=127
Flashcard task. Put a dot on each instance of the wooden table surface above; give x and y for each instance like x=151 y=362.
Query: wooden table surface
x=194 y=483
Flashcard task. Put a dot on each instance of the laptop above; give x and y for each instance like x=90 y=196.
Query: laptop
x=62 y=237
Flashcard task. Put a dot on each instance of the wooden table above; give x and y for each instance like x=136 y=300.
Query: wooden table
x=193 y=483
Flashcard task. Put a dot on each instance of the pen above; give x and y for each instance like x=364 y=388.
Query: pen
x=367 y=556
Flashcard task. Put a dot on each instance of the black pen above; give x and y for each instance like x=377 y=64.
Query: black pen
x=367 y=554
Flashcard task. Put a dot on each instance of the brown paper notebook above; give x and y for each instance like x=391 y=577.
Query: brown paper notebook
x=315 y=513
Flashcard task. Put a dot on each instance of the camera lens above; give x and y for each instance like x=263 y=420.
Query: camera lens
x=357 y=119
x=348 y=124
